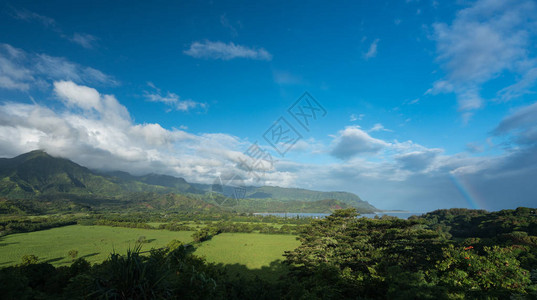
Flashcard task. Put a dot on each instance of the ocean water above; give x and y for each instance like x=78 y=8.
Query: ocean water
x=400 y=215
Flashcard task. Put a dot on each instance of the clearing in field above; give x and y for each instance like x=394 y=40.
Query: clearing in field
x=94 y=243
x=249 y=253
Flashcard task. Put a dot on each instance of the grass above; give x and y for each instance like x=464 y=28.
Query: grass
x=94 y=243
x=249 y=253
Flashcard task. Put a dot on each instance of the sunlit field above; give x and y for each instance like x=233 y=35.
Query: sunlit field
x=94 y=243
x=248 y=251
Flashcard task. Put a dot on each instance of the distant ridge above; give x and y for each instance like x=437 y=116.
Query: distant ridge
x=38 y=174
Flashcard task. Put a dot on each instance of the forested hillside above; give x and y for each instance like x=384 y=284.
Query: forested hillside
x=36 y=182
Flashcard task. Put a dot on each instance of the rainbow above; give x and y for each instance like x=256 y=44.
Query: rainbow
x=469 y=193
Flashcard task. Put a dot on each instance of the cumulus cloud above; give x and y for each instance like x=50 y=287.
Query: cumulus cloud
x=419 y=160
x=353 y=141
x=96 y=130
x=223 y=51
x=75 y=95
x=20 y=70
x=483 y=41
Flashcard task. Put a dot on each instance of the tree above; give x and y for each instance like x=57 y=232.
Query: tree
x=29 y=259
x=495 y=269
x=73 y=253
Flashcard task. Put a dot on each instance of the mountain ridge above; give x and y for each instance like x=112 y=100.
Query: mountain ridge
x=36 y=174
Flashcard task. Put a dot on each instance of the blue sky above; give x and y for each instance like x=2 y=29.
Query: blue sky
x=429 y=104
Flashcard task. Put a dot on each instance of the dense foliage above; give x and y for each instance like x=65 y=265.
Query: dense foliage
x=345 y=257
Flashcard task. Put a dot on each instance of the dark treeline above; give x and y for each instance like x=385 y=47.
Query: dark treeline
x=196 y=217
x=12 y=225
x=226 y=222
x=211 y=230
x=122 y=224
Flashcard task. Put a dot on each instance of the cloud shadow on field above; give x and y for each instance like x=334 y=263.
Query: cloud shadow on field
x=89 y=255
x=7 y=244
x=272 y=272
x=52 y=260
x=7 y=263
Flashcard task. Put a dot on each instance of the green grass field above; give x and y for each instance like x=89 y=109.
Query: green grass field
x=249 y=253
x=94 y=243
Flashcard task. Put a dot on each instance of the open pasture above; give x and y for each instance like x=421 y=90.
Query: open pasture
x=94 y=243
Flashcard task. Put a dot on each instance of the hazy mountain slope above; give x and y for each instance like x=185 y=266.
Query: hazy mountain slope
x=292 y=194
x=174 y=184
x=275 y=193
x=37 y=174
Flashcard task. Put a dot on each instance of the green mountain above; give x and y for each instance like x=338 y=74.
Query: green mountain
x=59 y=181
x=295 y=194
x=258 y=197
x=170 y=183
x=37 y=173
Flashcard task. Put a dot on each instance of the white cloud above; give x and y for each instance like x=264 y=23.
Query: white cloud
x=440 y=86
x=355 y=117
x=223 y=51
x=378 y=127
x=483 y=41
x=75 y=95
x=474 y=148
x=20 y=70
x=171 y=99
x=12 y=74
x=417 y=160
x=30 y=16
x=522 y=124
x=372 y=52
x=225 y=22
x=523 y=86
x=354 y=141
x=60 y=68
x=413 y=101
x=85 y=40
x=97 y=131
